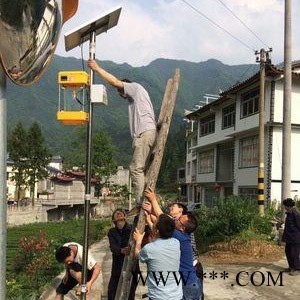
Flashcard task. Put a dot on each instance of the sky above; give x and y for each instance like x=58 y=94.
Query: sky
x=151 y=29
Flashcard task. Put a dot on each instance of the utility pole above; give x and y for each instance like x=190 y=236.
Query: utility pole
x=262 y=59
x=3 y=183
x=287 y=90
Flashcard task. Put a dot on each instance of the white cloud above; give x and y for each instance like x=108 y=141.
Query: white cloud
x=164 y=28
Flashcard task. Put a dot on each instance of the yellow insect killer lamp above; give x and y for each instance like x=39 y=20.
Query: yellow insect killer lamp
x=73 y=97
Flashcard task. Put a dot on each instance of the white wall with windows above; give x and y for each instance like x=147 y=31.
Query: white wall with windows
x=235 y=119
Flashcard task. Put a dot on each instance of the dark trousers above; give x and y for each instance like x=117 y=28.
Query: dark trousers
x=116 y=269
x=71 y=282
x=292 y=252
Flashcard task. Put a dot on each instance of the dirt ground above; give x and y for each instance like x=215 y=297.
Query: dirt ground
x=243 y=251
x=248 y=271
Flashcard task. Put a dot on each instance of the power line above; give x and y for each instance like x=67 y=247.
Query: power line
x=237 y=17
x=216 y=24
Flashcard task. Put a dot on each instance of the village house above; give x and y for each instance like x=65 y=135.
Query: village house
x=222 y=141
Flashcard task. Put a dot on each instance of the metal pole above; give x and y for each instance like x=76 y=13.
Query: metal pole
x=88 y=174
x=261 y=143
x=3 y=184
x=130 y=192
x=286 y=123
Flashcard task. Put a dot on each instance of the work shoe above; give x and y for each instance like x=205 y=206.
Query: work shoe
x=294 y=272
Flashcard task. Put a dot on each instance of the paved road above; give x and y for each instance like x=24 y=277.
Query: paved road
x=249 y=282
x=237 y=284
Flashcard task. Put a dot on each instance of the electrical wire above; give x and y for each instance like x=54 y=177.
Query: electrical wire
x=237 y=17
x=216 y=24
x=82 y=60
x=244 y=73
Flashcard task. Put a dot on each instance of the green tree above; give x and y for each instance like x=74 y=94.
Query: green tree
x=18 y=152
x=174 y=158
x=77 y=144
x=104 y=163
x=38 y=157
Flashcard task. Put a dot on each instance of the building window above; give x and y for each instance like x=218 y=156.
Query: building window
x=188 y=168
x=206 y=162
x=228 y=116
x=181 y=174
x=207 y=125
x=248 y=192
x=189 y=146
x=249 y=152
x=249 y=103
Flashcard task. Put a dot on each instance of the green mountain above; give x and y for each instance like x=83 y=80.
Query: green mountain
x=40 y=102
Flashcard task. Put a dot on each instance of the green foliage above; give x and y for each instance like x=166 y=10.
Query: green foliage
x=30 y=264
x=229 y=217
x=35 y=259
x=38 y=157
x=18 y=152
x=173 y=159
x=29 y=155
x=104 y=156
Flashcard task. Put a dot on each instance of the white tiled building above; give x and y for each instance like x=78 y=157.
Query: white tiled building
x=222 y=143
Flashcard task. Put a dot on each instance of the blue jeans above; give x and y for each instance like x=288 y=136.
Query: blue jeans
x=192 y=291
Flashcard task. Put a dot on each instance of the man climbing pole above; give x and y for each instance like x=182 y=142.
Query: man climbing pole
x=141 y=122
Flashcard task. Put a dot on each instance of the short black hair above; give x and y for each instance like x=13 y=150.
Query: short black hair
x=191 y=224
x=166 y=226
x=62 y=253
x=126 y=80
x=289 y=202
x=183 y=206
x=121 y=90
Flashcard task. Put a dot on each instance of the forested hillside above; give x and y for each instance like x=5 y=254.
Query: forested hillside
x=39 y=102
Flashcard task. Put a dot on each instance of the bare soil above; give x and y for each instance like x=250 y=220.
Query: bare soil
x=239 y=251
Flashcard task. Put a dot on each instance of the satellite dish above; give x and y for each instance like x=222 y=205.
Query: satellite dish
x=30 y=31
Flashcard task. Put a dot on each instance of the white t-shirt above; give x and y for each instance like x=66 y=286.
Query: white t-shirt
x=79 y=255
x=140 y=109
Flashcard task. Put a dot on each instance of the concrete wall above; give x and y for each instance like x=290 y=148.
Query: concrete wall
x=19 y=215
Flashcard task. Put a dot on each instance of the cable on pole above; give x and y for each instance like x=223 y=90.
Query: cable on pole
x=217 y=25
x=237 y=17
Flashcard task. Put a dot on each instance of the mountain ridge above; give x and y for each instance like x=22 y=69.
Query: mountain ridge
x=40 y=102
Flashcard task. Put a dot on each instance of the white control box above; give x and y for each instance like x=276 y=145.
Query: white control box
x=98 y=94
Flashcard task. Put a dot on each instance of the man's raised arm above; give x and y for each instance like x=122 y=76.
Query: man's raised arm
x=152 y=198
x=109 y=78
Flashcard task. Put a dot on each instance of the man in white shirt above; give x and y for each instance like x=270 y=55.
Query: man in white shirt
x=71 y=255
x=141 y=122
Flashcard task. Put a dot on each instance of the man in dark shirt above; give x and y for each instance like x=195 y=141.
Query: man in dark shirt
x=118 y=241
x=291 y=236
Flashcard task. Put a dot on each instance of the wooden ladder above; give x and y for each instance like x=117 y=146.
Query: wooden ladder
x=152 y=171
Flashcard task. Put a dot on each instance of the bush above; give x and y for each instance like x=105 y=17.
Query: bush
x=229 y=217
